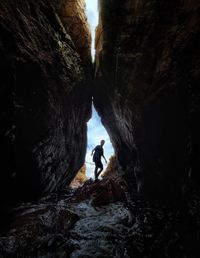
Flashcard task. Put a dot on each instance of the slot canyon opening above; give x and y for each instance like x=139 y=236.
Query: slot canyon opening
x=96 y=132
x=95 y=129
x=144 y=89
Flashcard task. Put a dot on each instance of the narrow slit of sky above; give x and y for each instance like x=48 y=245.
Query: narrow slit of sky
x=93 y=18
x=96 y=131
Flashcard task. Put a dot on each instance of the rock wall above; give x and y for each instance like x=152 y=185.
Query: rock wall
x=45 y=102
x=147 y=75
x=73 y=17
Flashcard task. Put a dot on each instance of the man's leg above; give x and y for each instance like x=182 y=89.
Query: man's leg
x=101 y=168
x=95 y=172
x=99 y=171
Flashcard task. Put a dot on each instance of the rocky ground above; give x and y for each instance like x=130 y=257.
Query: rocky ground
x=94 y=221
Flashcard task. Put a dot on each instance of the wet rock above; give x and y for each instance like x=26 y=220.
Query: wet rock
x=64 y=226
x=39 y=231
x=102 y=192
x=138 y=229
x=147 y=72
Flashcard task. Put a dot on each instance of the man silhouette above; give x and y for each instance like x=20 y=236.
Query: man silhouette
x=98 y=153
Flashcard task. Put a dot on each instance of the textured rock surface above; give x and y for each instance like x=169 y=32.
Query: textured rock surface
x=44 y=101
x=57 y=227
x=80 y=178
x=103 y=192
x=39 y=230
x=147 y=93
x=72 y=15
x=113 y=168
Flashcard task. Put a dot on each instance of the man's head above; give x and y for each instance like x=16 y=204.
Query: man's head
x=102 y=142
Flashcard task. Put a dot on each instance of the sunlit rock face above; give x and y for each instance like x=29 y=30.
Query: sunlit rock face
x=73 y=17
x=147 y=75
x=80 y=178
x=44 y=101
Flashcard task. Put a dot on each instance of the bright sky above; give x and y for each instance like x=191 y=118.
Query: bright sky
x=93 y=17
x=96 y=133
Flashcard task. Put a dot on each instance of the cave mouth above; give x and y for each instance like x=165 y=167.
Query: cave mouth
x=92 y=13
x=95 y=133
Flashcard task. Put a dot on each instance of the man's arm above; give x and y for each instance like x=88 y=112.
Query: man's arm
x=105 y=159
x=93 y=151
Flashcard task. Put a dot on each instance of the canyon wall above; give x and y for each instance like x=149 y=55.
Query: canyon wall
x=45 y=102
x=73 y=17
x=146 y=91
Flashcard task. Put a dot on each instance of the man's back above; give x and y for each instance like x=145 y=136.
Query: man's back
x=98 y=152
